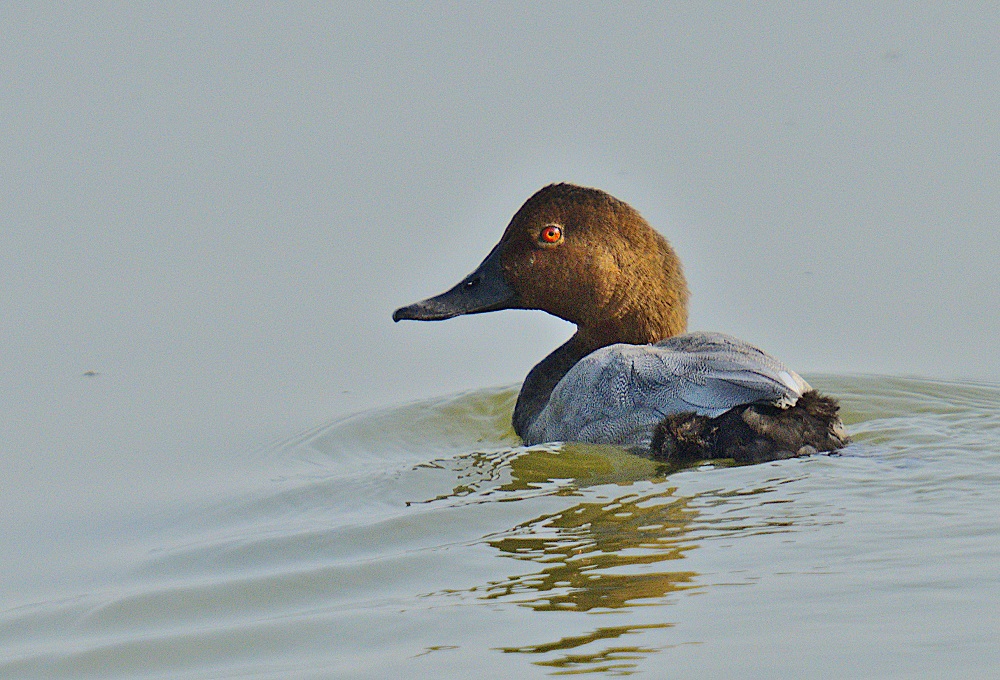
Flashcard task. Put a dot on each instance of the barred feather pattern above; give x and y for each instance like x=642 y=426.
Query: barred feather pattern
x=619 y=393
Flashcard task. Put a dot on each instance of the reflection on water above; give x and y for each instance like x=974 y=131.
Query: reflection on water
x=608 y=660
x=613 y=550
x=597 y=555
x=518 y=473
x=425 y=538
x=476 y=473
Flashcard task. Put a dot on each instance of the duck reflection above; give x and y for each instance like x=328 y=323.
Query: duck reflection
x=612 y=549
x=599 y=554
x=603 y=554
x=609 y=660
x=560 y=469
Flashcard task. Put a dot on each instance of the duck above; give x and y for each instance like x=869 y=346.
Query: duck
x=632 y=375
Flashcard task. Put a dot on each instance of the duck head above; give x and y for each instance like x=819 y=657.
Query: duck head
x=582 y=255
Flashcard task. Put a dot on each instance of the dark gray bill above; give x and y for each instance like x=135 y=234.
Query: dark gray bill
x=484 y=290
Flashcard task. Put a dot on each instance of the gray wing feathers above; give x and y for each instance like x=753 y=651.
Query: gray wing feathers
x=617 y=393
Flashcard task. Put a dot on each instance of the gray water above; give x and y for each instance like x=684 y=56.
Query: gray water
x=208 y=212
x=422 y=541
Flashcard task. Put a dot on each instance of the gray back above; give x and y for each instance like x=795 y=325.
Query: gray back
x=616 y=394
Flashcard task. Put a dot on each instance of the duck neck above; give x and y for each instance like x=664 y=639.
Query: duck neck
x=543 y=378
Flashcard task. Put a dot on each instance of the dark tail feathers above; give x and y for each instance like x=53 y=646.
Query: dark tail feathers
x=754 y=433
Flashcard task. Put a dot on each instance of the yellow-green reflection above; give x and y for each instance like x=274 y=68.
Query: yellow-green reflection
x=560 y=470
x=610 y=551
x=599 y=555
x=476 y=473
x=609 y=633
x=606 y=660
x=583 y=464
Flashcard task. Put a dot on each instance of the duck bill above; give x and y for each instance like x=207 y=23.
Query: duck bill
x=484 y=290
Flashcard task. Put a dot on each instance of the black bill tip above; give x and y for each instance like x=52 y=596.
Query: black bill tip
x=425 y=310
x=484 y=290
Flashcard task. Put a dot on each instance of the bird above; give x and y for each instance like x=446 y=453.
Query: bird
x=632 y=375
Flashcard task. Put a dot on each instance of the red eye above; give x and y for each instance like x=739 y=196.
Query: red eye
x=551 y=234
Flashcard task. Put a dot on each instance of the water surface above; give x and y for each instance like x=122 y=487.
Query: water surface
x=423 y=541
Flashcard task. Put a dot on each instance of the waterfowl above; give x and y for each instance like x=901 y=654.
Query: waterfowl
x=631 y=375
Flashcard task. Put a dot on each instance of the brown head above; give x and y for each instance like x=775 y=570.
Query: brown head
x=584 y=256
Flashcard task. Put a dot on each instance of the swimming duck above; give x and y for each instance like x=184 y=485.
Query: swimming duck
x=631 y=375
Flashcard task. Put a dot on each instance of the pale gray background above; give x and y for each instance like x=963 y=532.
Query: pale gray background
x=218 y=208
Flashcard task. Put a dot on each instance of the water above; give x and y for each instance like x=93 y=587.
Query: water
x=422 y=541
